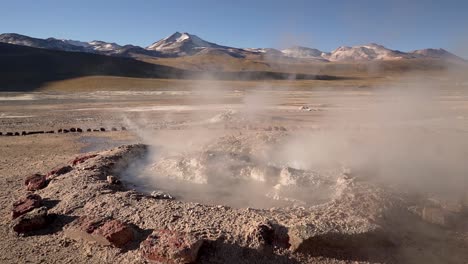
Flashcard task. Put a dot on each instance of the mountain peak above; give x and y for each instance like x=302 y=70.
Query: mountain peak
x=181 y=44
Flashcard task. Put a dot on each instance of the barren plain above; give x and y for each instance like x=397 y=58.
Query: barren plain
x=247 y=172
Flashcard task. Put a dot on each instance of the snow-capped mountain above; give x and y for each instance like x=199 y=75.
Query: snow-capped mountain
x=98 y=45
x=185 y=44
x=95 y=46
x=366 y=53
x=50 y=43
x=266 y=51
x=181 y=44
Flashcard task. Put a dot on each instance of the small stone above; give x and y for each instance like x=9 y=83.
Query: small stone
x=166 y=246
x=113 y=180
x=161 y=195
x=35 y=182
x=31 y=221
x=27 y=204
x=82 y=159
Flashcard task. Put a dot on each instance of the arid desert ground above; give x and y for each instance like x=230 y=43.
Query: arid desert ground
x=242 y=173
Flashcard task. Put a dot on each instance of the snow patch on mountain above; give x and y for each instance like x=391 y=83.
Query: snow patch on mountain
x=304 y=53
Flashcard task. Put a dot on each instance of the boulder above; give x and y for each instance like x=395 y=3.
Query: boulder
x=115 y=232
x=31 y=221
x=166 y=246
x=35 y=182
x=26 y=204
x=104 y=232
x=262 y=236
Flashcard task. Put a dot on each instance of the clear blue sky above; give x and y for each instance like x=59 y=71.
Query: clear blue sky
x=327 y=24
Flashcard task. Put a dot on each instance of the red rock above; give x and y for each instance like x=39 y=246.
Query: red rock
x=165 y=246
x=116 y=232
x=35 y=182
x=59 y=171
x=31 y=221
x=88 y=224
x=82 y=159
x=25 y=205
x=104 y=232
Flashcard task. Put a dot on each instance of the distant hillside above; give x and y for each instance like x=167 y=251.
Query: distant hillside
x=25 y=68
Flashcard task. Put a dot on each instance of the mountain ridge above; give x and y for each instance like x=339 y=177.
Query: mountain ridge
x=186 y=44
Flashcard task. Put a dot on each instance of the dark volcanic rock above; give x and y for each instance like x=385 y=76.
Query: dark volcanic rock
x=31 y=221
x=26 y=204
x=35 y=182
x=165 y=246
